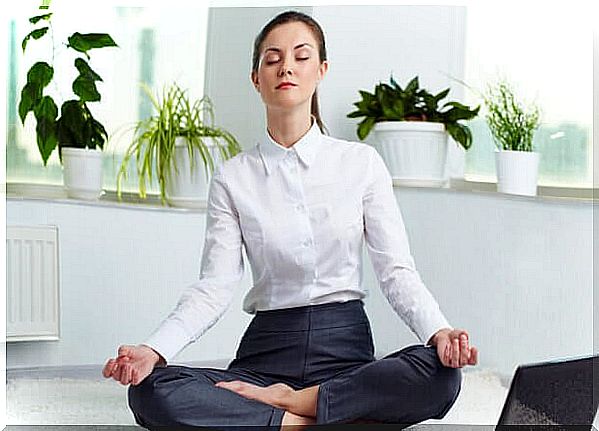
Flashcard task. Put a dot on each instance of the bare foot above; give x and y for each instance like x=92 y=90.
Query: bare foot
x=292 y=422
x=275 y=395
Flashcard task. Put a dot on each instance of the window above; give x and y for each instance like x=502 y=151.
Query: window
x=545 y=51
x=156 y=46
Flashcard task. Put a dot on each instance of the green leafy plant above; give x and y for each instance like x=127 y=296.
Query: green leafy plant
x=393 y=103
x=76 y=126
x=154 y=138
x=511 y=122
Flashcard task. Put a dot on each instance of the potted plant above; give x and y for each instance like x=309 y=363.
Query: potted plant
x=79 y=136
x=411 y=131
x=512 y=125
x=171 y=140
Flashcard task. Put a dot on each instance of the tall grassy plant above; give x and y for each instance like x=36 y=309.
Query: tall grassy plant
x=153 y=144
x=512 y=123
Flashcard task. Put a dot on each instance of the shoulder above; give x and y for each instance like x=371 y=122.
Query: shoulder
x=245 y=160
x=347 y=149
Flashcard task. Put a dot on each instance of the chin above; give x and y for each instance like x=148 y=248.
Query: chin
x=282 y=103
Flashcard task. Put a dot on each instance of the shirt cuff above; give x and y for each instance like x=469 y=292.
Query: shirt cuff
x=168 y=340
x=431 y=326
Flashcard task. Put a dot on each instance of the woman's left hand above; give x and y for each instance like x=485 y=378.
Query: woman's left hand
x=453 y=349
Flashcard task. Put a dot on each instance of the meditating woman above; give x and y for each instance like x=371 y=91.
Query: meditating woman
x=301 y=203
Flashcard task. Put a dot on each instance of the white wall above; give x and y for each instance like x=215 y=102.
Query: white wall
x=516 y=272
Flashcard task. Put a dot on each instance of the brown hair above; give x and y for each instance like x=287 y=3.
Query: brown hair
x=294 y=16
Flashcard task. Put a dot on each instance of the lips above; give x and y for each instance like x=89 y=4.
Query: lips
x=286 y=85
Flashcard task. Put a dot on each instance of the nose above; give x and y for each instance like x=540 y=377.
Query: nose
x=285 y=69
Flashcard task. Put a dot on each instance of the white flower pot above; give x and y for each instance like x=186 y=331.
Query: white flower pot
x=190 y=189
x=82 y=172
x=517 y=172
x=415 y=152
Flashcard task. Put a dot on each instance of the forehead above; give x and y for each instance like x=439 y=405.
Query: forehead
x=289 y=35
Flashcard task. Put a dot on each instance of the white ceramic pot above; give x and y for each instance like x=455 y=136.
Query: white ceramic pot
x=190 y=189
x=415 y=152
x=517 y=172
x=82 y=172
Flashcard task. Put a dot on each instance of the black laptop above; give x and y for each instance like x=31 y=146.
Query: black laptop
x=560 y=393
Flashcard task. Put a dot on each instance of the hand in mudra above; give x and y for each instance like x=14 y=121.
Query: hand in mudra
x=453 y=349
x=133 y=364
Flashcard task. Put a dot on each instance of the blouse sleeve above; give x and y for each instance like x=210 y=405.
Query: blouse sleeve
x=389 y=251
x=204 y=302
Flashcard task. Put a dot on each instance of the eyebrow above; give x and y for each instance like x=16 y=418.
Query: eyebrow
x=296 y=47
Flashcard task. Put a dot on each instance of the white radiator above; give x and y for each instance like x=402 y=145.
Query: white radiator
x=32 y=300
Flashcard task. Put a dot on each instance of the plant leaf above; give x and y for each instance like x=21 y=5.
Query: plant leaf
x=398 y=109
x=85 y=70
x=84 y=42
x=72 y=118
x=459 y=112
x=412 y=86
x=460 y=133
x=365 y=127
x=35 y=19
x=86 y=89
x=356 y=114
x=40 y=74
x=46 y=108
x=30 y=94
x=395 y=84
x=36 y=34
x=442 y=95
x=45 y=114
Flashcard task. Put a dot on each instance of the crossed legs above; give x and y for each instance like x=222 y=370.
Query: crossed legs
x=407 y=386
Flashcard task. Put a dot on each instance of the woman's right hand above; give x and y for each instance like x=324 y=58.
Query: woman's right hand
x=133 y=364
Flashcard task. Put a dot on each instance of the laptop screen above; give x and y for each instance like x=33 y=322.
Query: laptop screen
x=553 y=393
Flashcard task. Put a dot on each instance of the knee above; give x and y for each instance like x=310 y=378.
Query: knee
x=141 y=399
x=448 y=382
x=148 y=398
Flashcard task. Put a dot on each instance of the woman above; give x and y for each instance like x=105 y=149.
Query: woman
x=301 y=202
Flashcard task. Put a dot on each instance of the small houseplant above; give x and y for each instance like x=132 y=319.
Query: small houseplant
x=411 y=130
x=171 y=140
x=512 y=124
x=79 y=136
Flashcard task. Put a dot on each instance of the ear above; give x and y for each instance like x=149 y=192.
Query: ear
x=322 y=70
x=255 y=80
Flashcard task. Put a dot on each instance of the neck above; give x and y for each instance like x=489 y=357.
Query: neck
x=289 y=128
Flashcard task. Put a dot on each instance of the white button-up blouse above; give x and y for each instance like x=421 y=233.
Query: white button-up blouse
x=302 y=214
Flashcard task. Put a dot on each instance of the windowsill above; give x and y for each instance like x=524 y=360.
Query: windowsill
x=56 y=193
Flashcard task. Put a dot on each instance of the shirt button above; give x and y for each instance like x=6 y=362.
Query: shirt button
x=300 y=207
x=307 y=242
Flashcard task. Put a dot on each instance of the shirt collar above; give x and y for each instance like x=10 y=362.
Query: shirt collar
x=306 y=148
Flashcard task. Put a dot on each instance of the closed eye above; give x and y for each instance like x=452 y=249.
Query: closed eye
x=300 y=59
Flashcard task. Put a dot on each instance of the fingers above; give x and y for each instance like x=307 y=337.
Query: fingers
x=126 y=374
x=447 y=355
x=108 y=367
x=455 y=352
x=464 y=351
x=473 y=356
x=117 y=368
x=124 y=350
